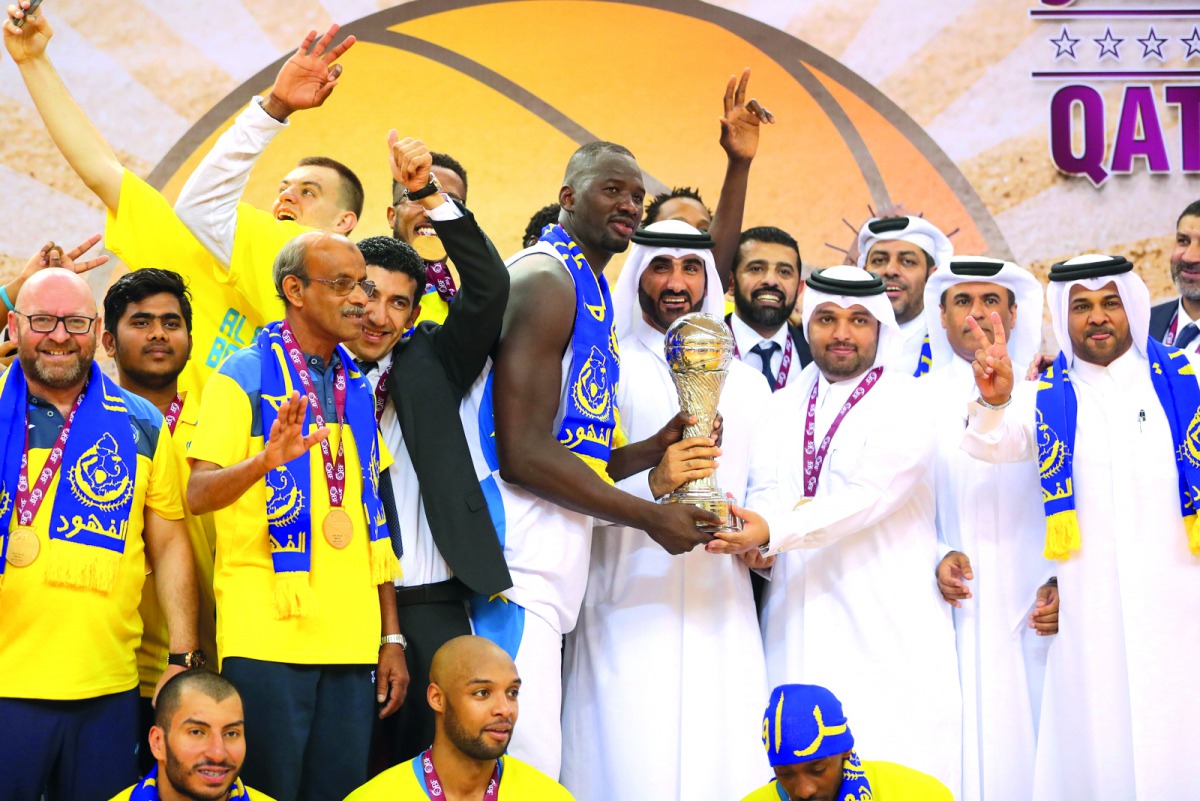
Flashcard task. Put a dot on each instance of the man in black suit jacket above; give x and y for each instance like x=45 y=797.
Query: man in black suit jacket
x=766 y=284
x=436 y=510
x=1166 y=323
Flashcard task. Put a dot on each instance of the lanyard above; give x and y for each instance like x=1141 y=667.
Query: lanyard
x=29 y=501
x=172 y=414
x=381 y=394
x=335 y=471
x=1173 y=331
x=814 y=458
x=433 y=785
x=784 y=366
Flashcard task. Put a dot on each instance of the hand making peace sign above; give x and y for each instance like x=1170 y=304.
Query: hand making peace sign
x=993 y=367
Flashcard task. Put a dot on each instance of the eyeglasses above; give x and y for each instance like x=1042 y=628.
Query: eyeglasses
x=46 y=323
x=344 y=286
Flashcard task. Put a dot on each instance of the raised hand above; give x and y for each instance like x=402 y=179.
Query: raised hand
x=308 y=77
x=1044 y=619
x=675 y=527
x=51 y=255
x=742 y=120
x=411 y=161
x=687 y=460
x=1038 y=365
x=29 y=40
x=287 y=439
x=993 y=367
x=953 y=573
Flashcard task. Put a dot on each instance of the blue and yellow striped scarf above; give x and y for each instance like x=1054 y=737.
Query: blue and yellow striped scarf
x=1175 y=384
x=147 y=788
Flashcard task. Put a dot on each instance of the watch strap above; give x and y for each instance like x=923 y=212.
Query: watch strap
x=431 y=188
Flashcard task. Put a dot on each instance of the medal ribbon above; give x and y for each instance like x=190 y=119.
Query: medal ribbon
x=1173 y=331
x=173 y=411
x=335 y=471
x=814 y=458
x=381 y=394
x=439 y=278
x=28 y=502
x=784 y=366
x=433 y=785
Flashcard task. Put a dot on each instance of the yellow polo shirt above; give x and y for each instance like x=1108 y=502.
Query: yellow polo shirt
x=227 y=315
x=67 y=643
x=344 y=627
x=249 y=794
x=152 y=653
x=518 y=781
x=889 y=782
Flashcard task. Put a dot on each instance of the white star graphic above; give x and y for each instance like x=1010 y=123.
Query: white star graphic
x=1152 y=45
x=1193 y=43
x=1108 y=45
x=1064 y=45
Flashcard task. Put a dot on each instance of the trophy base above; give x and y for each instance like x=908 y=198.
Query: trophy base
x=717 y=504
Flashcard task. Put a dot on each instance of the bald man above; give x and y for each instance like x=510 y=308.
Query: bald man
x=473 y=689
x=89 y=503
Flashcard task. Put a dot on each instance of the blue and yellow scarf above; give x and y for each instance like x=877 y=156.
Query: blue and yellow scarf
x=590 y=421
x=90 y=517
x=289 y=487
x=855 y=786
x=925 y=362
x=1175 y=384
x=147 y=788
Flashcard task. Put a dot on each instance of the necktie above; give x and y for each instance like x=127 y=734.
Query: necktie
x=388 y=498
x=1189 y=333
x=765 y=351
x=366 y=367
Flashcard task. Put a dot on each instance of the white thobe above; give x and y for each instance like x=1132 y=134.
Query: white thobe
x=664 y=678
x=907 y=355
x=1119 y=712
x=993 y=514
x=855 y=607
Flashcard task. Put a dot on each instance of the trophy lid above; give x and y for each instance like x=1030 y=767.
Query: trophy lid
x=698 y=341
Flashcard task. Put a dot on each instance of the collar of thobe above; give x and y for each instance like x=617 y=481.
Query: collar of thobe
x=913 y=329
x=833 y=395
x=747 y=338
x=1121 y=371
x=651 y=337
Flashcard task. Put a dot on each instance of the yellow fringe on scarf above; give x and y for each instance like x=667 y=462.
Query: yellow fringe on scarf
x=1062 y=535
x=1192 y=524
x=90 y=568
x=385 y=567
x=293 y=595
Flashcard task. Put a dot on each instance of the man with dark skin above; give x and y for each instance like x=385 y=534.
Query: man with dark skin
x=542 y=485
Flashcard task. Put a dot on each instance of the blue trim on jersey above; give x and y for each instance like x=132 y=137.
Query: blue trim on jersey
x=499 y=620
x=487 y=426
x=495 y=504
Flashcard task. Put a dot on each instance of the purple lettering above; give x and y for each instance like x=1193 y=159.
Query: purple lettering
x=1090 y=161
x=1188 y=100
x=1138 y=111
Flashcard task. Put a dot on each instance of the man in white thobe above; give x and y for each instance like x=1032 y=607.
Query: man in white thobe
x=904 y=252
x=852 y=603
x=994 y=536
x=1118 y=711
x=664 y=672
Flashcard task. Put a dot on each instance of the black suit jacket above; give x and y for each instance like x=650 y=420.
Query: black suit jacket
x=432 y=370
x=1160 y=318
x=803 y=353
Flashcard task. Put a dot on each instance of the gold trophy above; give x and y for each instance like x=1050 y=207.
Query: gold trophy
x=699 y=349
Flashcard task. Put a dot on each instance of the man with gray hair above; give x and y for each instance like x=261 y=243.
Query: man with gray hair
x=304 y=565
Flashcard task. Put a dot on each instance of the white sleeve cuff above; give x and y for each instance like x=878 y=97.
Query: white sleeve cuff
x=256 y=119
x=983 y=420
x=445 y=212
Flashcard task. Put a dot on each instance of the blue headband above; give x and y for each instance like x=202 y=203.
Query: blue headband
x=804 y=722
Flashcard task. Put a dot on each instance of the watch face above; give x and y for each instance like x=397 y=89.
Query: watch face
x=196 y=659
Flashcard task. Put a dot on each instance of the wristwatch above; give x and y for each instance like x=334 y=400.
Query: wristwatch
x=433 y=187
x=188 y=659
x=394 y=639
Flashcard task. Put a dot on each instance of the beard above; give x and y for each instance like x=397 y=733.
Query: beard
x=476 y=747
x=838 y=368
x=178 y=773
x=765 y=316
x=662 y=319
x=1187 y=287
x=58 y=376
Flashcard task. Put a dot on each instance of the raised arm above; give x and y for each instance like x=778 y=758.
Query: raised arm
x=208 y=202
x=528 y=380
x=739 y=140
x=84 y=148
x=994 y=433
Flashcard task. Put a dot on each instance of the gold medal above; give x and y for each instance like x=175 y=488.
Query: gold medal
x=429 y=247
x=800 y=503
x=23 y=546
x=339 y=530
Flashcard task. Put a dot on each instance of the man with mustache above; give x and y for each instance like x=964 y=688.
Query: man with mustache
x=542 y=424
x=304 y=565
x=1112 y=426
x=474 y=690
x=442 y=532
x=89 y=501
x=766 y=286
x=993 y=566
x=198 y=743
x=904 y=252
x=231 y=285
x=1174 y=322
x=852 y=602
x=655 y=628
x=148 y=335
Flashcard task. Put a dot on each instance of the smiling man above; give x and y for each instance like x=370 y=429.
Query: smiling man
x=1174 y=322
x=199 y=743
x=474 y=691
x=904 y=252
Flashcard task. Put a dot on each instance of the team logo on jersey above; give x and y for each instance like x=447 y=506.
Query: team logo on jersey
x=100 y=478
x=592 y=391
